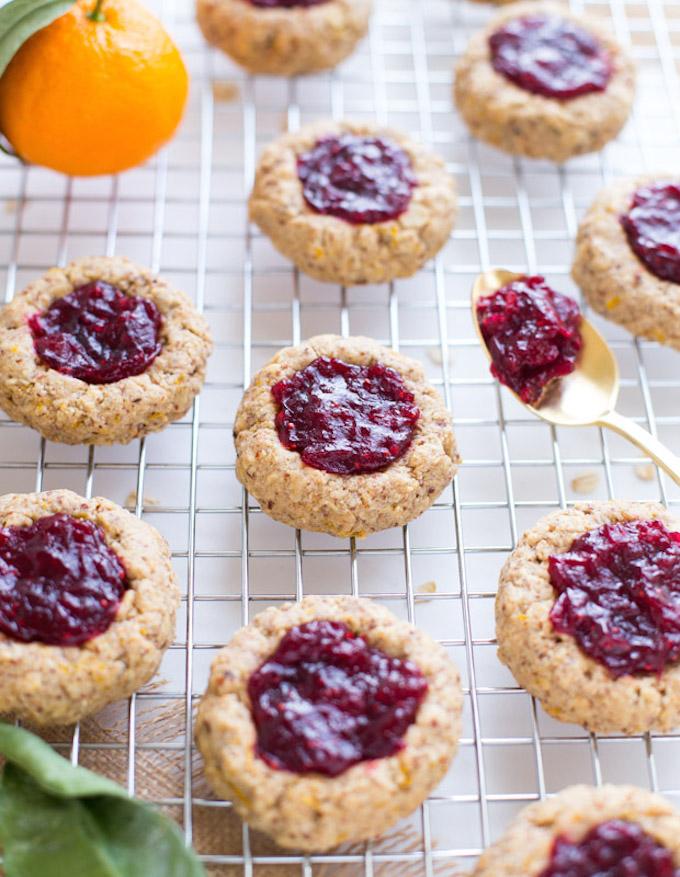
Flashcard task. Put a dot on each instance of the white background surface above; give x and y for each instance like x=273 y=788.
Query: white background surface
x=184 y=214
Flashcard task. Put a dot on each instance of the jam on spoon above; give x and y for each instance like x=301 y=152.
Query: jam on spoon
x=532 y=335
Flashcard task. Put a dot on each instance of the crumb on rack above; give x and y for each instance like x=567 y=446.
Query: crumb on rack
x=645 y=471
x=427 y=588
x=147 y=500
x=585 y=483
x=225 y=92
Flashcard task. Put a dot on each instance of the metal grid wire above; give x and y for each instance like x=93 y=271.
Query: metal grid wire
x=184 y=215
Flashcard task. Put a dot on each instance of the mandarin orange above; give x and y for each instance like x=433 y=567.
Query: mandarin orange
x=98 y=91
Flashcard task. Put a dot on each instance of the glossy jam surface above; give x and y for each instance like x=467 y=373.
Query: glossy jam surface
x=550 y=56
x=326 y=700
x=285 y=4
x=652 y=226
x=611 y=849
x=97 y=334
x=618 y=595
x=532 y=334
x=345 y=419
x=358 y=179
x=60 y=583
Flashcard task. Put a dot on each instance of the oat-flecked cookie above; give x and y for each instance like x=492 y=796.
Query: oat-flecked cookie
x=525 y=848
x=65 y=409
x=520 y=122
x=312 y=811
x=334 y=250
x=572 y=686
x=58 y=685
x=344 y=505
x=615 y=282
x=284 y=41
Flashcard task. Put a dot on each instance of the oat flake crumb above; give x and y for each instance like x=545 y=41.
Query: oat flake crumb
x=585 y=483
x=427 y=588
x=645 y=471
x=131 y=500
x=224 y=91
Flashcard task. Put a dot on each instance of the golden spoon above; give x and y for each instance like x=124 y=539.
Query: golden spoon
x=586 y=397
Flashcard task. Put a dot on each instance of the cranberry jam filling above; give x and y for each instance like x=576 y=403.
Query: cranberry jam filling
x=326 y=700
x=652 y=226
x=345 y=419
x=97 y=334
x=358 y=179
x=532 y=334
x=551 y=56
x=611 y=849
x=285 y=4
x=618 y=595
x=60 y=583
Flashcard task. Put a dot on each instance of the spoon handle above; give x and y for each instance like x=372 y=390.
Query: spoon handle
x=648 y=443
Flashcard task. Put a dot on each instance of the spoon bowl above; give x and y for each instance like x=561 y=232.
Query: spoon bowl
x=587 y=396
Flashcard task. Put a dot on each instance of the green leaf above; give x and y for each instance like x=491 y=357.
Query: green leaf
x=20 y=19
x=57 y=819
x=49 y=770
x=45 y=835
x=139 y=841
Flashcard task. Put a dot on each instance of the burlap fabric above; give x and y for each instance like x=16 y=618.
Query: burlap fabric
x=159 y=736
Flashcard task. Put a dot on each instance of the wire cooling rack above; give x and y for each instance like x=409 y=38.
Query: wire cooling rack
x=185 y=216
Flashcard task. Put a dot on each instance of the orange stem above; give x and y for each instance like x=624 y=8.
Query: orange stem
x=97 y=14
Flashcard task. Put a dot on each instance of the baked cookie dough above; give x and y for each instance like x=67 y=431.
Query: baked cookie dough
x=313 y=811
x=521 y=122
x=571 y=685
x=41 y=679
x=333 y=249
x=67 y=409
x=310 y=498
x=526 y=848
x=284 y=39
x=616 y=283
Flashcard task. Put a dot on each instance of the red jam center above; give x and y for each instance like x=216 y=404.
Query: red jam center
x=551 y=56
x=325 y=700
x=286 y=4
x=97 y=334
x=358 y=179
x=532 y=334
x=611 y=849
x=345 y=419
x=60 y=583
x=618 y=595
x=652 y=226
